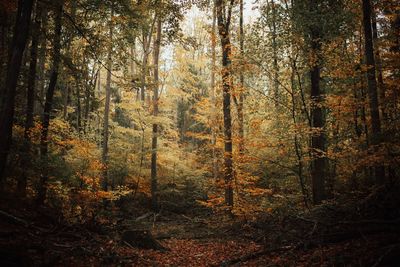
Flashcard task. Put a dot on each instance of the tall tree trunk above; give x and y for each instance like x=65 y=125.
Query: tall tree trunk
x=212 y=94
x=156 y=56
x=224 y=20
x=49 y=103
x=275 y=56
x=30 y=103
x=372 y=85
x=146 y=35
x=3 y=43
x=318 y=139
x=78 y=105
x=20 y=37
x=241 y=80
x=42 y=61
x=381 y=85
x=144 y=69
x=104 y=154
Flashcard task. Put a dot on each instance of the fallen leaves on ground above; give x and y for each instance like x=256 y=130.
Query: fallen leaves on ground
x=185 y=252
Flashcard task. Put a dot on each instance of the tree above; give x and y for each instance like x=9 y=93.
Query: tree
x=318 y=139
x=20 y=37
x=224 y=15
x=212 y=92
x=372 y=84
x=156 y=58
x=44 y=137
x=30 y=101
x=104 y=154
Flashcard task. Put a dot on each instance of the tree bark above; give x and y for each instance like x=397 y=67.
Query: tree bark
x=144 y=69
x=42 y=61
x=212 y=94
x=372 y=84
x=21 y=32
x=49 y=103
x=318 y=139
x=156 y=56
x=224 y=20
x=381 y=84
x=104 y=154
x=30 y=104
x=275 y=56
x=241 y=80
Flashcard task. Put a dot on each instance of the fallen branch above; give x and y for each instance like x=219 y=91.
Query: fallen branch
x=12 y=219
x=144 y=216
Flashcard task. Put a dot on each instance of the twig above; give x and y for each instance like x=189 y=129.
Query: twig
x=129 y=245
x=13 y=219
x=390 y=248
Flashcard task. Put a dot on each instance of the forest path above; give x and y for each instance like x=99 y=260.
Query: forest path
x=191 y=241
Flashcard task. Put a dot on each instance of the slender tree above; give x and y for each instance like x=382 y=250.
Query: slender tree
x=318 y=139
x=30 y=102
x=372 y=84
x=212 y=92
x=241 y=81
x=224 y=15
x=104 y=154
x=21 y=32
x=156 y=57
x=49 y=101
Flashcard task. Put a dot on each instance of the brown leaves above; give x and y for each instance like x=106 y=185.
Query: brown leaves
x=185 y=252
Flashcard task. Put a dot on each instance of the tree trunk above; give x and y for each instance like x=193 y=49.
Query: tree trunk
x=226 y=72
x=241 y=80
x=144 y=69
x=107 y=107
x=318 y=140
x=78 y=107
x=212 y=94
x=21 y=32
x=42 y=61
x=49 y=103
x=30 y=103
x=156 y=56
x=275 y=56
x=381 y=85
x=3 y=44
x=372 y=85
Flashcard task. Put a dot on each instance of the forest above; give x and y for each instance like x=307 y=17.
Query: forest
x=199 y=133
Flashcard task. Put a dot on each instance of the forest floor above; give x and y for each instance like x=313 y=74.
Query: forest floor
x=32 y=236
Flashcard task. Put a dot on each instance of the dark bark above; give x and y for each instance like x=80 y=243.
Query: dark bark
x=318 y=139
x=78 y=107
x=372 y=84
x=20 y=37
x=156 y=56
x=30 y=103
x=241 y=78
x=44 y=142
x=275 y=55
x=42 y=61
x=224 y=19
x=3 y=43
